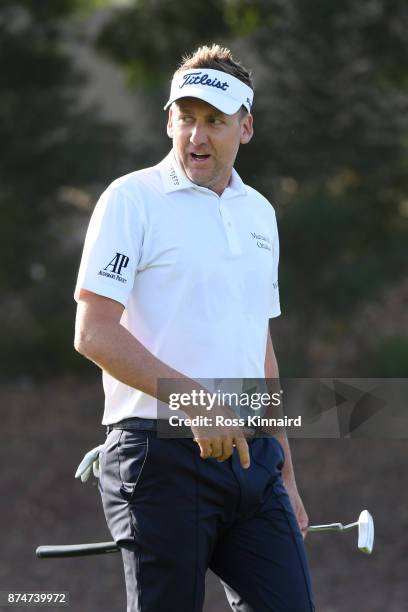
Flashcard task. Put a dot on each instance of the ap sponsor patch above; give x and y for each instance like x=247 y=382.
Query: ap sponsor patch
x=115 y=267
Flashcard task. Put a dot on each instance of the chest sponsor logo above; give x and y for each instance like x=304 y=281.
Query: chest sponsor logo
x=262 y=241
x=114 y=268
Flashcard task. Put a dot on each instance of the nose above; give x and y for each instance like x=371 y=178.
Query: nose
x=198 y=135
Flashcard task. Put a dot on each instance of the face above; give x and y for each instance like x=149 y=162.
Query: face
x=206 y=141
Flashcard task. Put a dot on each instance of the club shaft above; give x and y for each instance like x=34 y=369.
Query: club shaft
x=329 y=527
x=332 y=527
x=76 y=550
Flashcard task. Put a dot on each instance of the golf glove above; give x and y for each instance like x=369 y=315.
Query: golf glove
x=90 y=463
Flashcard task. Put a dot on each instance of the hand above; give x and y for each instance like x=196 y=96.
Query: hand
x=89 y=463
x=219 y=441
x=298 y=507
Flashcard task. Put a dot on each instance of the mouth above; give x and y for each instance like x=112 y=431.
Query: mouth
x=199 y=157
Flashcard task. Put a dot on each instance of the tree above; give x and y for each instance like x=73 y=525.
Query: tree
x=48 y=142
x=331 y=113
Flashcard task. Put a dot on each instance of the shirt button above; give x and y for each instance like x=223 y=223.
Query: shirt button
x=229 y=224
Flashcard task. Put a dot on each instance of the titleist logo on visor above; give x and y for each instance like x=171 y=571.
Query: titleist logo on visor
x=198 y=78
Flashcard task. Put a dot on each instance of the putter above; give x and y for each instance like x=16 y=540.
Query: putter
x=365 y=526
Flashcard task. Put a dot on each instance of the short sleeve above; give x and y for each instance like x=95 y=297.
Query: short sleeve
x=112 y=248
x=275 y=310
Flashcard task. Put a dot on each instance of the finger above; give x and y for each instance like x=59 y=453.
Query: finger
x=205 y=447
x=227 y=449
x=303 y=522
x=303 y=529
x=242 y=447
x=216 y=448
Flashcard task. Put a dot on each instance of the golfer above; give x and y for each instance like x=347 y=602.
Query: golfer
x=178 y=281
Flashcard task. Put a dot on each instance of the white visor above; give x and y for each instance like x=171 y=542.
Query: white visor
x=222 y=90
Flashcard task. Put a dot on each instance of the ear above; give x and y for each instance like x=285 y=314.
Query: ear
x=247 y=128
x=170 y=123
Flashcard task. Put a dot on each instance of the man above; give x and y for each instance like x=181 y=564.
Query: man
x=177 y=282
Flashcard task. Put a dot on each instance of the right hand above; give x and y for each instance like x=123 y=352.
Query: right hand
x=219 y=441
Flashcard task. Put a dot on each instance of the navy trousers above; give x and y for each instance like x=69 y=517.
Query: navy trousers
x=174 y=515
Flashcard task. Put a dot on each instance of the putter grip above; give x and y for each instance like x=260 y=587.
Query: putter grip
x=75 y=550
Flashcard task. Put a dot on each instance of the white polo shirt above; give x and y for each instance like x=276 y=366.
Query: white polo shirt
x=196 y=272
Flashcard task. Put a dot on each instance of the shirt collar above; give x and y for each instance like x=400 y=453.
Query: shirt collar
x=175 y=179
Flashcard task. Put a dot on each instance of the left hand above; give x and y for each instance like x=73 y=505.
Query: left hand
x=298 y=507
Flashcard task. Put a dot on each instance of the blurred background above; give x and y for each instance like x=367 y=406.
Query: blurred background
x=82 y=87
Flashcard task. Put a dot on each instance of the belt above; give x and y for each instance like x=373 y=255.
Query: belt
x=163 y=425
x=135 y=423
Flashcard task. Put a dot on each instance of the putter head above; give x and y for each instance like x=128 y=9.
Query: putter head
x=365 y=532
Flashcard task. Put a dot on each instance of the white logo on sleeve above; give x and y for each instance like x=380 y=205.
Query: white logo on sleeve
x=114 y=268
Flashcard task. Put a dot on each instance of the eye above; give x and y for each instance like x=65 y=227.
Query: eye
x=216 y=121
x=186 y=118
